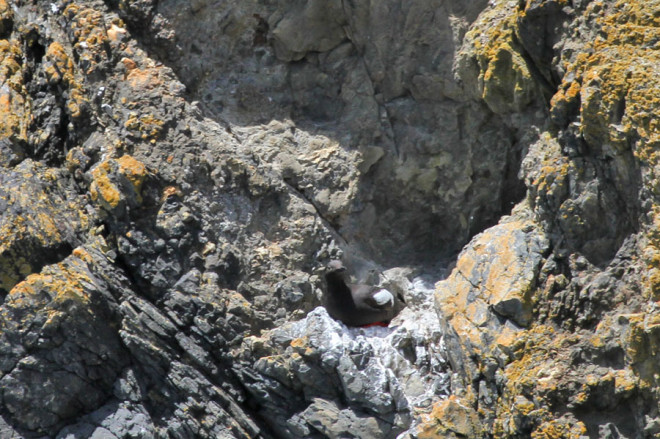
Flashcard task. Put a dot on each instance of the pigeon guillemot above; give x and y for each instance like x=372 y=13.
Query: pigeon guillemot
x=354 y=304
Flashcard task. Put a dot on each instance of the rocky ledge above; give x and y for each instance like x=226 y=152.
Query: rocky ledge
x=175 y=177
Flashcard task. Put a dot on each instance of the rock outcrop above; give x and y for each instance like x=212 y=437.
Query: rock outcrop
x=174 y=177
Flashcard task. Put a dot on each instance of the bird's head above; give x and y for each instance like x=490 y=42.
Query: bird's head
x=336 y=266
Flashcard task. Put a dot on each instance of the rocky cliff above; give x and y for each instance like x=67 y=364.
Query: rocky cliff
x=175 y=176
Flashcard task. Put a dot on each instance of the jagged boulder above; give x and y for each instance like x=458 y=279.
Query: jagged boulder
x=175 y=175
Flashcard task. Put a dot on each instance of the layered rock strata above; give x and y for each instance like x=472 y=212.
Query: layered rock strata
x=175 y=175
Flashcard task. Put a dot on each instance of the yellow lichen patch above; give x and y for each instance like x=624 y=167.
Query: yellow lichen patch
x=22 y=225
x=60 y=66
x=567 y=93
x=147 y=125
x=552 y=178
x=89 y=29
x=61 y=282
x=102 y=189
x=505 y=81
x=625 y=382
x=61 y=69
x=10 y=64
x=59 y=292
x=559 y=429
x=635 y=338
x=134 y=171
x=530 y=370
x=115 y=181
x=618 y=78
x=615 y=79
x=14 y=100
x=6 y=13
x=642 y=340
x=450 y=418
x=534 y=378
x=37 y=221
x=521 y=412
x=170 y=191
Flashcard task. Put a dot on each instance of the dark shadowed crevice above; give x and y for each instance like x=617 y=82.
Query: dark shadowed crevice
x=513 y=187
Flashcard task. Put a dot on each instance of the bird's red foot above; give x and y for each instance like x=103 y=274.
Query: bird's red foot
x=369 y=325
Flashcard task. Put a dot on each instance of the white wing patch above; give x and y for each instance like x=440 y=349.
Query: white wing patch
x=383 y=296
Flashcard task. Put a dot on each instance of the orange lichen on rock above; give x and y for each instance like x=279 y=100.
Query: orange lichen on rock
x=560 y=429
x=613 y=84
x=170 y=191
x=552 y=179
x=102 y=189
x=117 y=181
x=621 y=96
x=146 y=125
x=533 y=381
x=61 y=282
x=144 y=79
x=40 y=219
x=616 y=79
x=6 y=15
x=505 y=81
x=641 y=333
x=44 y=300
x=14 y=101
x=496 y=272
x=451 y=418
x=61 y=69
x=82 y=254
x=90 y=32
x=135 y=171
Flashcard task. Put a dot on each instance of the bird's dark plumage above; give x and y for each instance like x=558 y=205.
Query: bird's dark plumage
x=353 y=304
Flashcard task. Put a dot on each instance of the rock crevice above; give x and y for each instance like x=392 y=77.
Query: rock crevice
x=175 y=176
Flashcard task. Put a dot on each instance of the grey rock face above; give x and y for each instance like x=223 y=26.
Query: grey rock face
x=60 y=353
x=174 y=175
x=373 y=85
x=374 y=381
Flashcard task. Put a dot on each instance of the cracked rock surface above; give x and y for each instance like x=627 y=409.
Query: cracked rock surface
x=176 y=175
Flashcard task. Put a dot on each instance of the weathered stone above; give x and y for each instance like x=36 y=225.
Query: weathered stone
x=357 y=85
x=332 y=422
x=389 y=374
x=306 y=27
x=497 y=271
x=451 y=419
x=175 y=175
x=118 y=183
x=35 y=229
x=64 y=319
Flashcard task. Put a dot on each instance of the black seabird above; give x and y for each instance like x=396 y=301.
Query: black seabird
x=354 y=304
